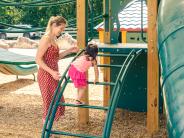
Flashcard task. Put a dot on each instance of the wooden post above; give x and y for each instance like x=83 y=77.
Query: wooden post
x=153 y=69
x=83 y=113
x=101 y=36
x=124 y=37
x=107 y=39
x=106 y=78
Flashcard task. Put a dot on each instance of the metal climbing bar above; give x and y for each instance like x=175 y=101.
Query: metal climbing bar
x=118 y=85
x=53 y=111
x=98 y=83
x=74 y=135
x=108 y=65
x=112 y=55
x=84 y=106
x=117 y=91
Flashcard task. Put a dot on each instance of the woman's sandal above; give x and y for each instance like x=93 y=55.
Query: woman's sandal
x=78 y=102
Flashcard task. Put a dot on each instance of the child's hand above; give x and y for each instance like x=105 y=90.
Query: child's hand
x=96 y=80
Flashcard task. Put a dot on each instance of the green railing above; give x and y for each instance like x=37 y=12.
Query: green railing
x=118 y=85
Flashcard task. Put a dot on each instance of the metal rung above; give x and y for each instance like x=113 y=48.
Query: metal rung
x=107 y=65
x=102 y=83
x=98 y=83
x=72 y=134
x=85 y=106
x=112 y=55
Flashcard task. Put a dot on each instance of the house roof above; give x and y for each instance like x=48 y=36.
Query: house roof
x=130 y=17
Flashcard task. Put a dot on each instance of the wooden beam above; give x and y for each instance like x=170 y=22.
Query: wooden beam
x=106 y=78
x=153 y=69
x=83 y=114
x=106 y=60
x=124 y=37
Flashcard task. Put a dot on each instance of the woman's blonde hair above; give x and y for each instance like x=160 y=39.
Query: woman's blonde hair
x=55 y=19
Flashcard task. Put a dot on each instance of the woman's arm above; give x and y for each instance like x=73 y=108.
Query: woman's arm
x=94 y=62
x=43 y=46
x=68 y=51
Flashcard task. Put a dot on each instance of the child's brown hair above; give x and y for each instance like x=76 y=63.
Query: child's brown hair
x=91 y=50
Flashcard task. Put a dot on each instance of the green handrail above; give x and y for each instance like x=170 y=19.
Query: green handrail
x=53 y=111
x=117 y=91
x=111 y=109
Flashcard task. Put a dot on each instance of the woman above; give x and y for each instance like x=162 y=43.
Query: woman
x=47 y=58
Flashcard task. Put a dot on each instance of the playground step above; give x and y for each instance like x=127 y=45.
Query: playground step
x=84 y=106
x=98 y=83
x=72 y=134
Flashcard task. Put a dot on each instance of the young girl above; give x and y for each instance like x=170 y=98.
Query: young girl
x=78 y=68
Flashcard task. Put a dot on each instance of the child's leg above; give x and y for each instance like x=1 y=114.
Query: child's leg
x=80 y=93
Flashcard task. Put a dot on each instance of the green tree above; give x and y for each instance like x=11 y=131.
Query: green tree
x=39 y=16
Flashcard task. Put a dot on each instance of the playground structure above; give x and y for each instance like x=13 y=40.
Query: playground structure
x=110 y=36
x=133 y=24
x=170 y=25
x=111 y=49
x=15 y=64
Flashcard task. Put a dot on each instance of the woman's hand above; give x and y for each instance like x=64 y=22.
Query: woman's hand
x=69 y=51
x=74 y=49
x=56 y=75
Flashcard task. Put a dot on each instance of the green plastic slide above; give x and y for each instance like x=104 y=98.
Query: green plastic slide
x=171 y=54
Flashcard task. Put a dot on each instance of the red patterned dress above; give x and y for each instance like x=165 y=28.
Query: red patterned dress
x=47 y=83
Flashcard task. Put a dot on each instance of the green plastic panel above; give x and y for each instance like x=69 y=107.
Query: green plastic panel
x=134 y=93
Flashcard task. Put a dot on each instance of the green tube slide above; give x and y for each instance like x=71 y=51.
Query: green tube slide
x=171 y=54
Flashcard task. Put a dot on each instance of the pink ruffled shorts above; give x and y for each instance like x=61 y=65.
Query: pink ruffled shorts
x=78 y=78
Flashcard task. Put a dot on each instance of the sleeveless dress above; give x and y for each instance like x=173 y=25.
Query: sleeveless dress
x=77 y=71
x=47 y=83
